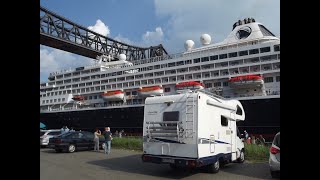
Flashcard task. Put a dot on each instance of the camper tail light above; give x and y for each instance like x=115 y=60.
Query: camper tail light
x=146 y=158
x=274 y=150
x=191 y=163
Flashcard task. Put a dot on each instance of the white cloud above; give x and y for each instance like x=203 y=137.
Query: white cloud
x=149 y=38
x=52 y=60
x=100 y=28
x=190 y=19
x=153 y=37
x=123 y=39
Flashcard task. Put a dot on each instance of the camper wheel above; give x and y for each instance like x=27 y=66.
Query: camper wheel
x=215 y=167
x=241 y=158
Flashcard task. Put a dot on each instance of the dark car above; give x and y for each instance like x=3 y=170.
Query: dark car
x=73 y=141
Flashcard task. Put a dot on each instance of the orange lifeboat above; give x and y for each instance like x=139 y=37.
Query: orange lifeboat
x=246 y=80
x=113 y=95
x=192 y=85
x=78 y=98
x=151 y=91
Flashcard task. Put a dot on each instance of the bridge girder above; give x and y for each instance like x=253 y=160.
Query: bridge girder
x=61 y=33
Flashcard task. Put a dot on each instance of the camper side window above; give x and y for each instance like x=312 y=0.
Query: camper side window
x=224 y=121
x=238 y=133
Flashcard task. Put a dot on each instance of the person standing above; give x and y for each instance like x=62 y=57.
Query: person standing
x=120 y=134
x=97 y=133
x=253 y=140
x=262 y=140
x=108 y=137
x=62 y=130
x=66 y=129
x=246 y=134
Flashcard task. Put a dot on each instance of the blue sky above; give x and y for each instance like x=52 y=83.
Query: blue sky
x=151 y=22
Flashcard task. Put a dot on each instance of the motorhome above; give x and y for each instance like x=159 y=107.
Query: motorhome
x=192 y=129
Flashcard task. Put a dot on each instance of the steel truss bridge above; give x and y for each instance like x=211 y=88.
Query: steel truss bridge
x=61 y=33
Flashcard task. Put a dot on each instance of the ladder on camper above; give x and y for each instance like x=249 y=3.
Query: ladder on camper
x=168 y=129
x=190 y=111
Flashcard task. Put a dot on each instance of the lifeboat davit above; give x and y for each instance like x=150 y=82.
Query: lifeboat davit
x=151 y=91
x=78 y=98
x=191 y=85
x=246 y=80
x=116 y=95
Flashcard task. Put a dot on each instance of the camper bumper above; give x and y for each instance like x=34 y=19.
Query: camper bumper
x=171 y=160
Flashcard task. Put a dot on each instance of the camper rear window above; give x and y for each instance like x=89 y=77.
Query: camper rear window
x=224 y=121
x=171 y=116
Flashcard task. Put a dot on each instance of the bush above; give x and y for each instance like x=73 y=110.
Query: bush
x=253 y=152
x=131 y=143
x=256 y=152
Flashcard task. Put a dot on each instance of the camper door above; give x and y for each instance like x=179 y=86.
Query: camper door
x=233 y=134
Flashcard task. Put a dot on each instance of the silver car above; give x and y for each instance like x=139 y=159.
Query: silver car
x=45 y=135
x=274 y=159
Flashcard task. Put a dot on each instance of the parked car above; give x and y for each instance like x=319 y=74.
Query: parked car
x=45 y=135
x=274 y=159
x=73 y=141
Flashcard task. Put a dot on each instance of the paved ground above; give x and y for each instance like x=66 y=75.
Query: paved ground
x=125 y=164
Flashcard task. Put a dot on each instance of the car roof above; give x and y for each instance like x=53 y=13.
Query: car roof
x=50 y=130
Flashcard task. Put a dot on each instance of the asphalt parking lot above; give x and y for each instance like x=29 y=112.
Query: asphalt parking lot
x=125 y=164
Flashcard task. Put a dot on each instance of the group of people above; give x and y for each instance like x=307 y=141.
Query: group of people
x=65 y=129
x=107 y=136
x=253 y=140
x=119 y=134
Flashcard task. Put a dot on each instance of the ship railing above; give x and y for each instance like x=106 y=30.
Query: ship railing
x=92 y=107
x=205 y=50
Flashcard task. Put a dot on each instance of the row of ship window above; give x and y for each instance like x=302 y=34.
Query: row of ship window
x=167 y=89
x=98 y=88
x=206 y=75
x=271 y=79
x=197 y=60
x=253 y=60
x=266 y=80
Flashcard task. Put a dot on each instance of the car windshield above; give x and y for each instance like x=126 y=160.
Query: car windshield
x=54 y=133
x=276 y=140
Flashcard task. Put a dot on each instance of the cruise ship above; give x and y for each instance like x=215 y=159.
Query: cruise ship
x=111 y=92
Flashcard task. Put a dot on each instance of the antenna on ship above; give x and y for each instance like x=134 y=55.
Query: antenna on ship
x=103 y=58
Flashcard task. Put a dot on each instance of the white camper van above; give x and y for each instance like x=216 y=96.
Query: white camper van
x=192 y=129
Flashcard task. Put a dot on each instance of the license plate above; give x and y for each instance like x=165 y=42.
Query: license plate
x=168 y=160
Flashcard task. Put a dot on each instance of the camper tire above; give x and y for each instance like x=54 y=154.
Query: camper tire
x=241 y=158
x=215 y=167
